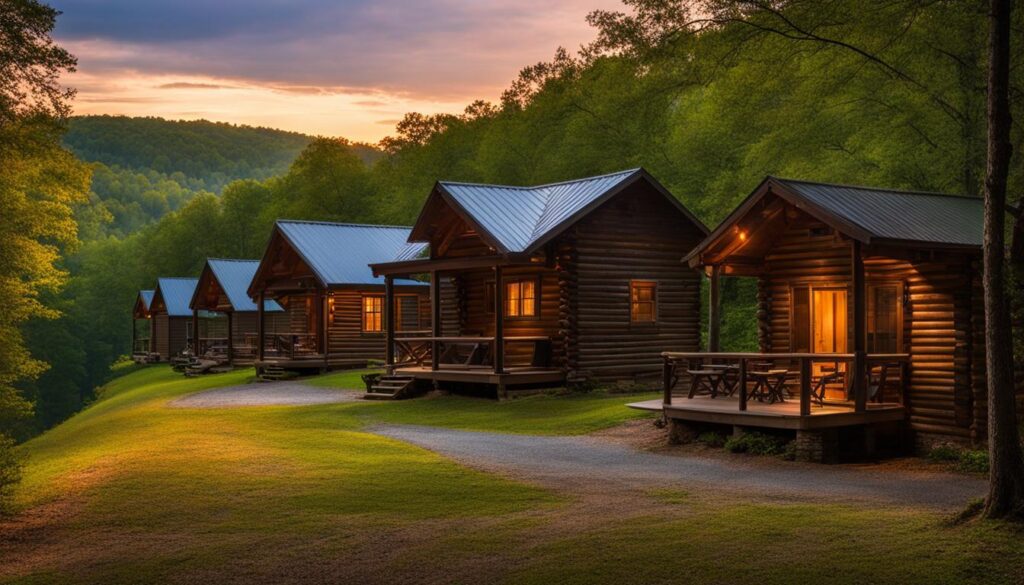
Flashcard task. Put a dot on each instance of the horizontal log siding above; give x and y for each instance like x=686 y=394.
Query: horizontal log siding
x=160 y=340
x=636 y=236
x=347 y=344
x=937 y=318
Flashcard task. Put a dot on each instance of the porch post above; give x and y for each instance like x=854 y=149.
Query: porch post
x=860 y=395
x=435 y=319
x=259 y=326
x=389 y=321
x=231 y=338
x=499 y=322
x=152 y=334
x=195 y=332
x=133 y=336
x=714 y=309
x=321 y=320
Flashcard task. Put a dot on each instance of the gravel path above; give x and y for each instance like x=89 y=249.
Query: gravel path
x=265 y=394
x=570 y=460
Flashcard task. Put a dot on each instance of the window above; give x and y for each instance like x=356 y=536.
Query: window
x=373 y=314
x=521 y=298
x=643 y=301
x=884 y=317
x=819 y=319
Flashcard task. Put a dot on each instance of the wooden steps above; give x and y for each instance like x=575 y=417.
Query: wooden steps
x=391 y=388
x=273 y=373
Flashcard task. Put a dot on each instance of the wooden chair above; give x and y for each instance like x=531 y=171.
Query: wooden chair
x=769 y=383
x=834 y=376
x=708 y=380
x=877 y=381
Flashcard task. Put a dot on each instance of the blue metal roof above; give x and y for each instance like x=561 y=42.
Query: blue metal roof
x=147 y=298
x=519 y=219
x=340 y=253
x=898 y=215
x=177 y=294
x=234 y=277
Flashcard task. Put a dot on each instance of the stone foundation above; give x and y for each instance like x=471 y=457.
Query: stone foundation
x=817 y=446
x=681 y=432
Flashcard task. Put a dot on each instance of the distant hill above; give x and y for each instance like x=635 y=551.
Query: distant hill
x=215 y=153
x=147 y=167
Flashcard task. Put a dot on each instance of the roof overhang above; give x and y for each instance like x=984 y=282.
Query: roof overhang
x=266 y=260
x=425 y=265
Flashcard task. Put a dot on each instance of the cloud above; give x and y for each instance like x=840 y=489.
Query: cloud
x=190 y=85
x=427 y=49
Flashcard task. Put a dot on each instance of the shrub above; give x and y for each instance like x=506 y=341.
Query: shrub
x=711 y=439
x=755 y=444
x=965 y=460
x=10 y=473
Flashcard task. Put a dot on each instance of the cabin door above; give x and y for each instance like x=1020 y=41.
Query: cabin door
x=829 y=327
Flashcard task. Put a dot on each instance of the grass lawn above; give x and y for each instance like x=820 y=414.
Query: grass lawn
x=134 y=491
x=573 y=414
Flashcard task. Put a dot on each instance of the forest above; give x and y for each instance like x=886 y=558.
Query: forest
x=889 y=94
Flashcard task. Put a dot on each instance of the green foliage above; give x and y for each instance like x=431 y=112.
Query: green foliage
x=755 y=443
x=965 y=460
x=11 y=465
x=712 y=439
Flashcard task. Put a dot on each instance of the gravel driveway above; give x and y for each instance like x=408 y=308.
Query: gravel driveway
x=265 y=394
x=568 y=460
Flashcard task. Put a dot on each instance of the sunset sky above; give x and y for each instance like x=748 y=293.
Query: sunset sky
x=347 y=68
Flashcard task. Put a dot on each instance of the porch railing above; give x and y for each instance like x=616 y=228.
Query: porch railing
x=290 y=345
x=779 y=375
x=463 y=352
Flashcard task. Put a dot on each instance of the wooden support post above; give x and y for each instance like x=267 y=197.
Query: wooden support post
x=133 y=335
x=666 y=380
x=743 y=384
x=714 y=309
x=231 y=337
x=860 y=386
x=152 y=334
x=805 y=386
x=260 y=342
x=389 y=322
x=195 y=332
x=499 y=322
x=435 y=320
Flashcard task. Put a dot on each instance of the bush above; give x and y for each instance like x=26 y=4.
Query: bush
x=756 y=444
x=965 y=460
x=10 y=473
x=711 y=439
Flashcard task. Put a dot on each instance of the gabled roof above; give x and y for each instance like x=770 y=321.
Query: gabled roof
x=521 y=219
x=890 y=214
x=340 y=253
x=176 y=294
x=871 y=214
x=146 y=296
x=233 y=277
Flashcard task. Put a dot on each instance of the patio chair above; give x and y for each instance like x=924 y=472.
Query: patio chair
x=705 y=380
x=769 y=382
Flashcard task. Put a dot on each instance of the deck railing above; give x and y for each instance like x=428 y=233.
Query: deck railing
x=463 y=352
x=290 y=345
x=774 y=374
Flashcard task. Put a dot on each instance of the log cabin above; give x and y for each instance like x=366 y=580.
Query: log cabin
x=572 y=282
x=225 y=316
x=319 y=273
x=870 y=320
x=171 y=317
x=142 y=350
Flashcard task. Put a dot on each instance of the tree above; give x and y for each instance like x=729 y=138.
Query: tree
x=1006 y=474
x=39 y=183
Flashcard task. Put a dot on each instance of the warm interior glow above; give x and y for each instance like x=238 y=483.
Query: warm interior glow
x=373 y=314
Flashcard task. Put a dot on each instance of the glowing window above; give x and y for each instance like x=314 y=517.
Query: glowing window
x=643 y=299
x=373 y=314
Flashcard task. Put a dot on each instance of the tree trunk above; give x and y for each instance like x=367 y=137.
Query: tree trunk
x=1006 y=475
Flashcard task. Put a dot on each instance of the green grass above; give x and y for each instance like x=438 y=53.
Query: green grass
x=132 y=491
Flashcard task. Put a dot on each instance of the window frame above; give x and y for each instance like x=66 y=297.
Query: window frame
x=644 y=283
x=363 y=313
x=398 y=311
x=505 y=282
x=869 y=285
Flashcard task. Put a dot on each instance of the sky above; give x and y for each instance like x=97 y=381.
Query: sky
x=347 y=68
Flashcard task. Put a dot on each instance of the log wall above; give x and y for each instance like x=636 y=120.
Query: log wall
x=940 y=324
x=635 y=236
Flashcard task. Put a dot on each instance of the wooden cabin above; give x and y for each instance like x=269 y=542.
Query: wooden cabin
x=319 y=274
x=171 y=317
x=226 y=317
x=142 y=350
x=869 y=313
x=573 y=282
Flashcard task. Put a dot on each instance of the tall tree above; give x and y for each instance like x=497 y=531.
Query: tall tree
x=1006 y=474
x=39 y=184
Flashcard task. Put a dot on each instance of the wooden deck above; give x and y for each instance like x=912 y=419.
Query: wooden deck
x=785 y=415
x=485 y=375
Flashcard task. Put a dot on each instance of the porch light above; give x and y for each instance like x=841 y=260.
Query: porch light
x=743 y=236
